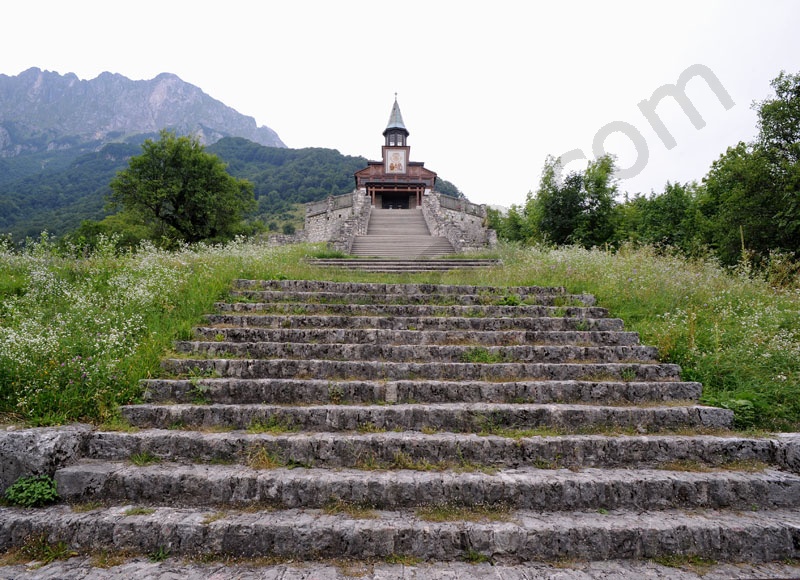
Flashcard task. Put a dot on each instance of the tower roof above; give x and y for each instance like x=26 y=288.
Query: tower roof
x=395 y=118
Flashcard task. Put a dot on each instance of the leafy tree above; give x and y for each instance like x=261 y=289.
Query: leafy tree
x=595 y=224
x=741 y=203
x=578 y=209
x=511 y=226
x=751 y=195
x=671 y=218
x=178 y=185
x=779 y=140
x=779 y=120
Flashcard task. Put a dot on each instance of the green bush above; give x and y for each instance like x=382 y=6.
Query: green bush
x=34 y=491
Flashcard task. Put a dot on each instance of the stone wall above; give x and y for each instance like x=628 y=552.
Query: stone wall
x=461 y=222
x=337 y=220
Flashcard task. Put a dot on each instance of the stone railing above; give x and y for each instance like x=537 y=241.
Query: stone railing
x=463 y=223
x=316 y=208
x=330 y=203
x=462 y=205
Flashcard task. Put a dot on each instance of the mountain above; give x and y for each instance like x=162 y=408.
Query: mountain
x=43 y=113
x=63 y=139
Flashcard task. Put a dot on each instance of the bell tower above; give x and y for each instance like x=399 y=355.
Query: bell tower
x=395 y=132
x=395 y=182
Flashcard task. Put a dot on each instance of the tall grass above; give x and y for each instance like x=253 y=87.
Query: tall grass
x=77 y=332
x=729 y=329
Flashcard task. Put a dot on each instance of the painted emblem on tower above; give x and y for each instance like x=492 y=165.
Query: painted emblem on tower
x=396 y=161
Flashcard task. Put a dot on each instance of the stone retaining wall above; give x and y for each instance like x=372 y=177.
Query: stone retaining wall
x=461 y=222
x=337 y=220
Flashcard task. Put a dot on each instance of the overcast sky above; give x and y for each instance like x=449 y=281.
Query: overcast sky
x=487 y=89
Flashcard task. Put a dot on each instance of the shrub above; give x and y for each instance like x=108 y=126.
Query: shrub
x=34 y=491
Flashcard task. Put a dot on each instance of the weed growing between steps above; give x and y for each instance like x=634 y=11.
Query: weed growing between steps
x=78 y=331
x=36 y=548
x=469 y=513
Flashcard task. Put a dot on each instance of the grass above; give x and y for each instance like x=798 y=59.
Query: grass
x=402 y=460
x=746 y=465
x=480 y=354
x=85 y=507
x=117 y=314
x=144 y=458
x=272 y=424
x=457 y=513
x=690 y=561
x=353 y=510
x=213 y=517
x=139 y=511
x=37 y=549
x=261 y=458
x=109 y=559
x=474 y=557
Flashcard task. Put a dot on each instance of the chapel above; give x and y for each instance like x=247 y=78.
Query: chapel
x=395 y=182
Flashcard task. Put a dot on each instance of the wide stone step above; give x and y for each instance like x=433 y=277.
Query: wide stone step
x=290 y=391
x=440 y=451
x=142 y=566
x=271 y=296
x=422 y=310
x=408 y=242
x=401 y=266
x=449 y=417
x=312 y=534
x=421 y=353
x=456 y=262
x=395 y=228
x=416 y=337
x=175 y=484
x=384 y=289
x=371 y=370
x=413 y=323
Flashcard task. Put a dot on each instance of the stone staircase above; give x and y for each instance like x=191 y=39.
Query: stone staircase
x=400 y=234
x=386 y=422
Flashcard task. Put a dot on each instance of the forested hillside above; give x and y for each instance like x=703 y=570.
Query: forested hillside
x=283 y=177
x=61 y=197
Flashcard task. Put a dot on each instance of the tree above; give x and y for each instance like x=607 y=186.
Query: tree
x=578 y=209
x=779 y=140
x=184 y=189
x=751 y=195
x=671 y=218
x=741 y=203
x=595 y=222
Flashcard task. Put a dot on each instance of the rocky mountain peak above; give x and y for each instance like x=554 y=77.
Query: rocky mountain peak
x=39 y=108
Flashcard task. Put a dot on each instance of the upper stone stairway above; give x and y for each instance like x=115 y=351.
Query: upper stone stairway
x=422 y=423
x=401 y=234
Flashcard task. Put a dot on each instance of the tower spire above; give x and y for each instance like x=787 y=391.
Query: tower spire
x=396 y=118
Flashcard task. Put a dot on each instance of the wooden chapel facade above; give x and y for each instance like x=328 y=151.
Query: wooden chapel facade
x=395 y=182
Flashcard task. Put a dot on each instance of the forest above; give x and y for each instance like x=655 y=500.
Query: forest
x=746 y=208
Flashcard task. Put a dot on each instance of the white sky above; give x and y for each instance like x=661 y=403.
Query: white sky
x=486 y=89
